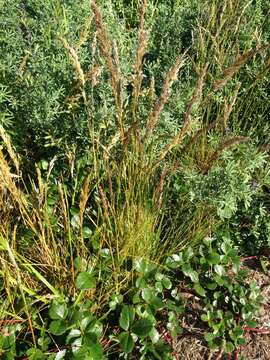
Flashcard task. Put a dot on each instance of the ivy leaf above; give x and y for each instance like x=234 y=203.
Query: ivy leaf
x=126 y=317
x=85 y=281
x=142 y=327
x=126 y=342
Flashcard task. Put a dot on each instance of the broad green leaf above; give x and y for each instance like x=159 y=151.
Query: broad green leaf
x=57 y=327
x=157 y=303
x=158 y=286
x=173 y=262
x=229 y=347
x=126 y=342
x=89 y=339
x=219 y=269
x=74 y=333
x=60 y=355
x=211 y=286
x=136 y=298
x=147 y=295
x=116 y=300
x=154 y=335
x=35 y=354
x=142 y=327
x=251 y=324
x=84 y=352
x=241 y=341
x=213 y=258
x=44 y=165
x=96 y=328
x=58 y=311
x=188 y=271
x=126 y=317
x=199 y=289
x=140 y=265
x=166 y=282
x=86 y=232
x=85 y=281
x=205 y=317
x=209 y=336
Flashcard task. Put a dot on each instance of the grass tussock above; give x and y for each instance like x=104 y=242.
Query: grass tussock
x=150 y=164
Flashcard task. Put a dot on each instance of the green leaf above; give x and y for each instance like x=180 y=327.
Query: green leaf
x=140 y=265
x=57 y=327
x=199 y=289
x=126 y=342
x=58 y=311
x=86 y=232
x=142 y=327
x=166 y=282
x=211 y=286
x=219 y=269
x=126 y=317
x=96 y=328
x=188 y=271
x=136 y=298
x=205 y=317
x=147 y=295
x=157 y=303
x=229 y=347
x=44 y=165
x=140 y=283
x=3 y=243
x=209 y=336
x=158 y=286
x=251 y=324
x=213 y=258
x=60 y=355
x=84 y=352
x=35 y=354
x=74 y=333
x=85 y=281
x=89 y=339
x=241 y=341
x=116 y=300
x=154 y=335
x=173 y=262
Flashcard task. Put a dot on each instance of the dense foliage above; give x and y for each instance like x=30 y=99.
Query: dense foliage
x=134 y=170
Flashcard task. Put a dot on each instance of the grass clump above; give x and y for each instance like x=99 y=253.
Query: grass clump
x=127 y=170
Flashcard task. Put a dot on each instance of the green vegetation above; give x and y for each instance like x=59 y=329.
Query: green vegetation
x=134 y=169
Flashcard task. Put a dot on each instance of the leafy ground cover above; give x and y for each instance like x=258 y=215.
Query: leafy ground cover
x=134 y=179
